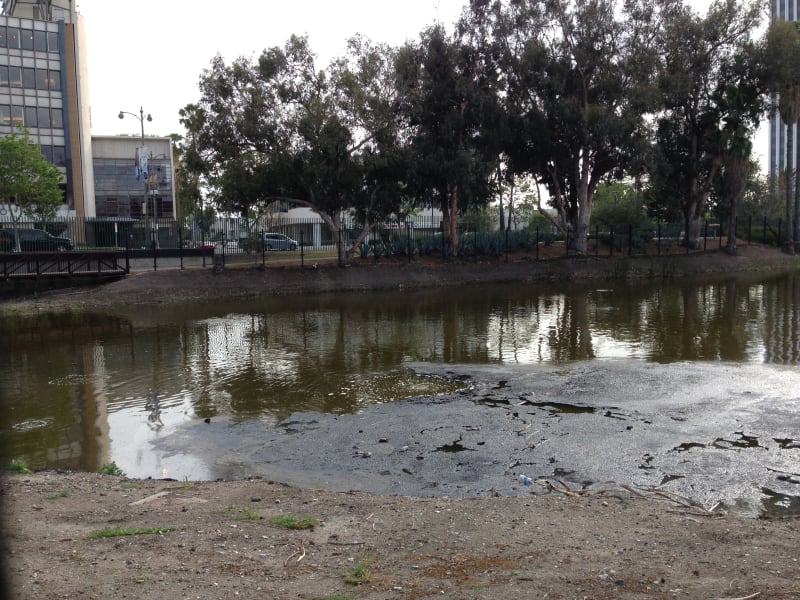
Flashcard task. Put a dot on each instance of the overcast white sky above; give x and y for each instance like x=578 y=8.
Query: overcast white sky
x=152 y=52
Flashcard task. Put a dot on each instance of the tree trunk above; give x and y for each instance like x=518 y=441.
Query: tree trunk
x=694 y=210
x=788 y=245
x=452 y=228
x=796 y=244
x=730 y=245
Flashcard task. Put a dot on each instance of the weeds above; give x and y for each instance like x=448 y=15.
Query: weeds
x=359 y=572
x=294 y=522
x=243 y=513
x=109 y=532
x=20 y=466
x=111 y=469
x=61 y=494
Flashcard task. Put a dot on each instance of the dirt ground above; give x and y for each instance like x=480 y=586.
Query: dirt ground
x=217 y=539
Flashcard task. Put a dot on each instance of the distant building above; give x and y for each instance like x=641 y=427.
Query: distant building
x=781 y=10
x=43 y=86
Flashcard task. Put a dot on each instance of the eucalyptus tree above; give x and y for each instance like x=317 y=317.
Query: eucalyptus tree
x=453 y=120
x=577 y=85
x=782 y=58
x=689 y=129
x=279 y=129
x=740 y=98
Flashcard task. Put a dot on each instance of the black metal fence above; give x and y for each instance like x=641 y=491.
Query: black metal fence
x=227 y=239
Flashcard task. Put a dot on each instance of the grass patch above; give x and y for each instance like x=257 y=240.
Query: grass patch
x=245 y=513
x=20 y=466
x=61 y=494
x=359 y=572
x=111 y=469
x=294 y=522
x=109 y=532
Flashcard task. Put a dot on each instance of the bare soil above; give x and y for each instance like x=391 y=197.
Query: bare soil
x=217 y=540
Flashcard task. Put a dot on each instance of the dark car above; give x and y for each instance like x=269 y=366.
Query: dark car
x=268 y=241
x=32 y=240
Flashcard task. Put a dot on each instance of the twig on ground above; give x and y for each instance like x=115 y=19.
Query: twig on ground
x=301 y=551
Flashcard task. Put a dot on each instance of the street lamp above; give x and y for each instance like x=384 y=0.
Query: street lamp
x=142 y=119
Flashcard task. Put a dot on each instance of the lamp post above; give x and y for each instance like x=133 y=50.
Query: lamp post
x=142 y=119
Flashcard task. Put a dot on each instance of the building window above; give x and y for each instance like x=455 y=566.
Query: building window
x=3 y=37
x=41 y=80
x=47 y=152
x=52 y=41
x=54 y=80
x=59 y=156
x=28 y=78
x=14 y=77
x=56 y=118
x=40 y=41
x=16 y=115
x=30 y=116
x=13 y=38
x=10 y=116
x=4 y=76
x=43 y=114
x=26 y=39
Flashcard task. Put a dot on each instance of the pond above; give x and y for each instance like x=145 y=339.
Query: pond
x=83 y=390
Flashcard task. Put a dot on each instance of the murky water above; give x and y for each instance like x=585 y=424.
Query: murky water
x=82 y=390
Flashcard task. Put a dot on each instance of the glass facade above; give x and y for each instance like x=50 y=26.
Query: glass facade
x=782 y=10
x=119 y=190
x=31 y=83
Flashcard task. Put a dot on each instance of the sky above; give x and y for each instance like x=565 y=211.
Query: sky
x=151 y=54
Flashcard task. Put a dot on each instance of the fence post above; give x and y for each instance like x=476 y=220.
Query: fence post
x=128 y=254
x=597 y=240
x=611 y=240
x=658 y=233
x=630 y=239
x=705 y=236
x=180 y=246
x=155 y=259
x=408 y=236
x=263 y=249
x=764 y=232
x=780 y=236
x=302 y=257
x=537 y=242
x=506 y=245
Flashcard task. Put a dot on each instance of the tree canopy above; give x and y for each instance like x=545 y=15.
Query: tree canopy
x=28 y=183
x=566 y=94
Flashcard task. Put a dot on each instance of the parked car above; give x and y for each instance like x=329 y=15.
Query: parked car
x=268 y=241
x=32 y=240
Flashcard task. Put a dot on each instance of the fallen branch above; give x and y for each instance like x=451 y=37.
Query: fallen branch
x=301 y=551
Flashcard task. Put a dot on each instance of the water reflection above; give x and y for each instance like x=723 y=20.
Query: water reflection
x=84 y=389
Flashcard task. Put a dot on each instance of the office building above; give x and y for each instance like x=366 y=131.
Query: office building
x=44 y=86
x=781 y=10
